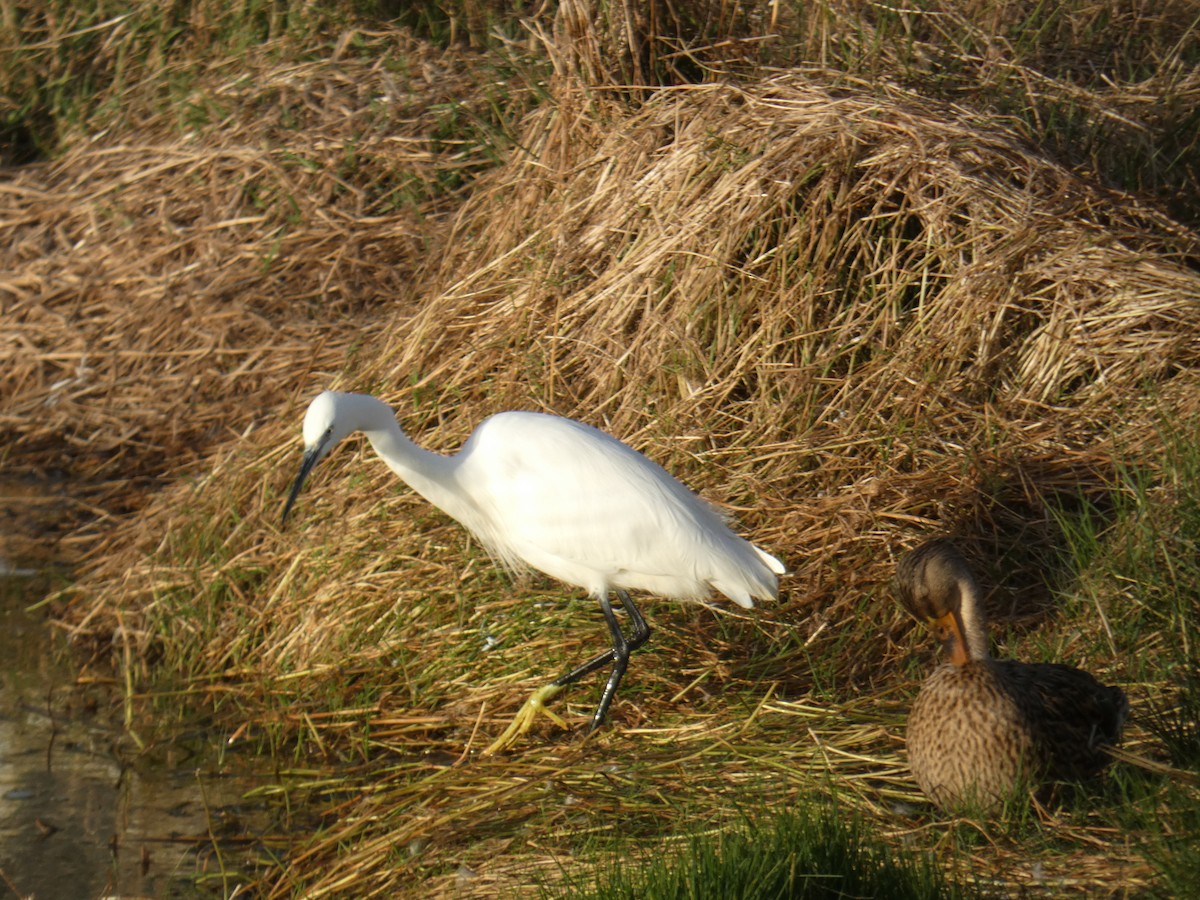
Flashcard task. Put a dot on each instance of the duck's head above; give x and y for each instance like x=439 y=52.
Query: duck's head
x=935 y=584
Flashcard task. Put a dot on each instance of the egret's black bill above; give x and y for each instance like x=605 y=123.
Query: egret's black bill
x=311 y=457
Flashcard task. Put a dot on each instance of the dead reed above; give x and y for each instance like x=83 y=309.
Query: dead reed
x=850 y=313
x=162 y=289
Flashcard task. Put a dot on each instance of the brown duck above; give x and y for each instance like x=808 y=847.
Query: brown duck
x=982 y=728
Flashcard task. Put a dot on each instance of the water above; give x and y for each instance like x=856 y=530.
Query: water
x=83 y=813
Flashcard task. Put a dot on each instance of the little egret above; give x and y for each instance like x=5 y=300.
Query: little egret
x=548 y=493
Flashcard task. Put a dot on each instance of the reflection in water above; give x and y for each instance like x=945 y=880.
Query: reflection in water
x=74 y=821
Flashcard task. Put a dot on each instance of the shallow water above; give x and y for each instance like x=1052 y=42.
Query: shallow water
x=82 y=813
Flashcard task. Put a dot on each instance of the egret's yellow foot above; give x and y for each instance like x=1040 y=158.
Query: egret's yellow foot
x=525 y=716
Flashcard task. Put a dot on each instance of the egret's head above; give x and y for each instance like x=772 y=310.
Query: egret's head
x=935 y=585
x=323 y=430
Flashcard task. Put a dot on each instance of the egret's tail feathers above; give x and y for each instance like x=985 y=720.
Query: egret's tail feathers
x=745 y=585
x=772 y=563
x=735 y=592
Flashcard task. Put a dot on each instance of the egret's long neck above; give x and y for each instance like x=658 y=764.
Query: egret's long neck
x=974 y=623
x=429 y=474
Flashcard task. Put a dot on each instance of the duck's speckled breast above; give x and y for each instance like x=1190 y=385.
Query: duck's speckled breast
x=969 y=740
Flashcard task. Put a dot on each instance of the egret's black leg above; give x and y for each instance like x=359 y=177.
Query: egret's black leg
x=620 y=651
x=618 y=656
x=586 y=669
x=641 y=631
x=637 y=637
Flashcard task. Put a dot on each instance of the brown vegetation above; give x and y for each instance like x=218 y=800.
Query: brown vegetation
x=850 y=313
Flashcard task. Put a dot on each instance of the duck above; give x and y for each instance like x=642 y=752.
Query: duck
x=983 y=730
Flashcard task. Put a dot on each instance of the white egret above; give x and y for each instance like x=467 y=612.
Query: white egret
x=548 y=493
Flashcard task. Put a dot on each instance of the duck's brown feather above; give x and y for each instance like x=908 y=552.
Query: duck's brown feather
x=980 y=730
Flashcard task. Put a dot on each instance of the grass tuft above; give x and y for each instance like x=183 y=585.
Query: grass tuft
x=810 y=851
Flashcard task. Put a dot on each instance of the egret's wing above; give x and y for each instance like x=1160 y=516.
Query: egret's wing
x=575 y=502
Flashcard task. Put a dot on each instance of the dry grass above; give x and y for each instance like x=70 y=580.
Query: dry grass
x=850 y=314
x=164 y=290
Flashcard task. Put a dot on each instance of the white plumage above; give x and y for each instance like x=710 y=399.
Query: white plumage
x=562 y=497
